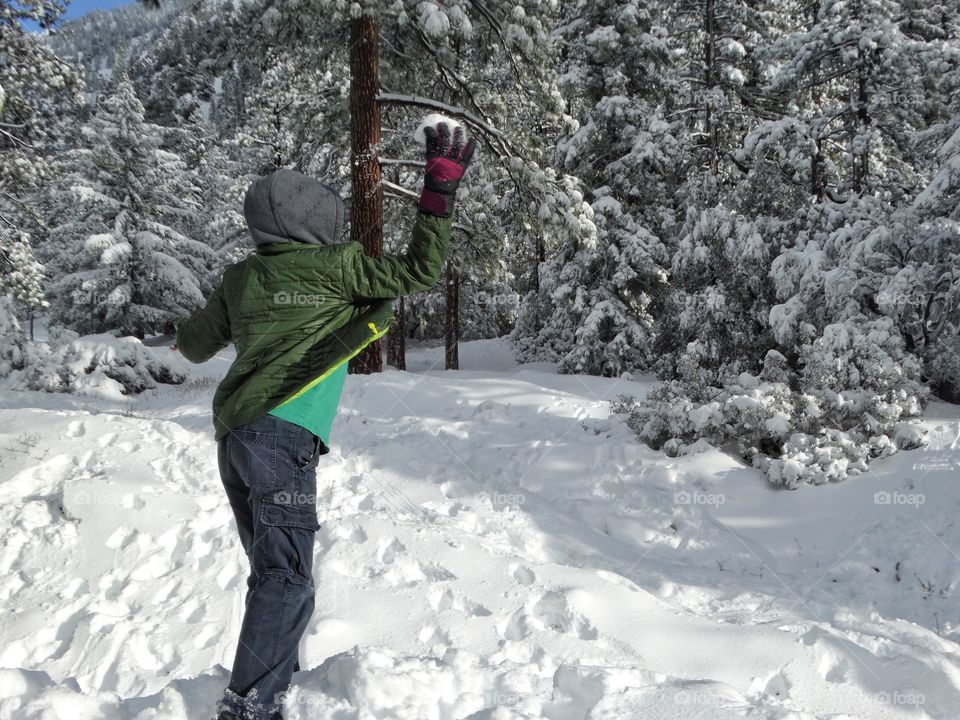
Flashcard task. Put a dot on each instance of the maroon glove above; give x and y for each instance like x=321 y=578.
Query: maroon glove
x=447 y=161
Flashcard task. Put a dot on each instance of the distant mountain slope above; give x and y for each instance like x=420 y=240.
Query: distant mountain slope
x=94 y=40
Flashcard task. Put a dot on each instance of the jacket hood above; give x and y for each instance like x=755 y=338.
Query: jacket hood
x=287 y=206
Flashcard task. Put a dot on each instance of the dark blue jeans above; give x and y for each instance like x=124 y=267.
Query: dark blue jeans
x=269 y=470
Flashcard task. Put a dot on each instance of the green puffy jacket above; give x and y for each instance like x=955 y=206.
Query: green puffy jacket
x=294 y=311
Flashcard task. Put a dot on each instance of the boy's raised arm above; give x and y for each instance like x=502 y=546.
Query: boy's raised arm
x=391 y=276
x=418 y=268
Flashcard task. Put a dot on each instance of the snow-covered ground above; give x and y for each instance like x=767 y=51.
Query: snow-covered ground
x=494 y=546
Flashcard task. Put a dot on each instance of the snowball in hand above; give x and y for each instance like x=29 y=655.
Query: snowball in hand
x=432 y=120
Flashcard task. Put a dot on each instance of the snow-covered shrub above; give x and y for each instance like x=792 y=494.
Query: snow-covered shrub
x=860 y=374
x=833 y=454
x=97 y=364
x=849 y=404
x=753 y=414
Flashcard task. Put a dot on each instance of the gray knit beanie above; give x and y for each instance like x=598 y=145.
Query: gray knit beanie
x=287 y=206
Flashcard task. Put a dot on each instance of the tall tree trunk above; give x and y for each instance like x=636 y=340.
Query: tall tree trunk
x=278 y=133
x=818 y=180
x=861 y=154
x=541 y=259
x=366 y=220
x=451 y=325
x=710 y=80
x=397 y=339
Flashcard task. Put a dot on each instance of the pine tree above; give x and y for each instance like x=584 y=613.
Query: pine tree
x=616 y=74
x=718 y=45
x=592 y=312
x=592 y=309
x=931 y=239
x=716 y=317
x=222 y=226
x=136 y=273
x=292 y=119
x=21 y=276
x=179 y=75
x=34 y=84
x=852 y=77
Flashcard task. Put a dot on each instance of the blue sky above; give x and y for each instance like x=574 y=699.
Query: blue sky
x=77 y=8
x=82 y=7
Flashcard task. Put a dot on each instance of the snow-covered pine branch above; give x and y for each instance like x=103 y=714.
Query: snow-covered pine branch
x=494 y=137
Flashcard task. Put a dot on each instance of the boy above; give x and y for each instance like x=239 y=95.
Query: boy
x=296 y=311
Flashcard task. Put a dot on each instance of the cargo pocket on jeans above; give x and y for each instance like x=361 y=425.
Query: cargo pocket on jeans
x=285 y=508
x=288 y=524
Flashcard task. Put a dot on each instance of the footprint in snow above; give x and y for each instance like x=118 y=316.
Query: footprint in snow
x=231 y=575
x=832 y=667
x=552 y=610
x=514 y=628
x=443 y=598
x=436 y=572
x=350 y=532
x=121 y=538
x=433 y=635
x=168 y=590
x=207 y=636
x=192 y=611
x=774 y=684
x=388 y=549
x=524 y=575
x=407 y=572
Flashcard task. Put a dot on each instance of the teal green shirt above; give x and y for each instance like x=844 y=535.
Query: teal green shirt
x=315 y=406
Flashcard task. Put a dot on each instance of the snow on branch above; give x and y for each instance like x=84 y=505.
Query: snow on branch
x=401 y=162
x=494 y=137
x=394 y=190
